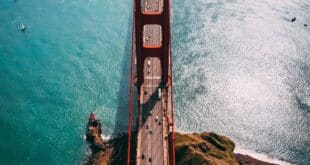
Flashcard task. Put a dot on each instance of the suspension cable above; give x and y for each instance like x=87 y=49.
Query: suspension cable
x=131 y=86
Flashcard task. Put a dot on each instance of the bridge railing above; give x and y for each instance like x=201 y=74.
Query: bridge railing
x=172 y=149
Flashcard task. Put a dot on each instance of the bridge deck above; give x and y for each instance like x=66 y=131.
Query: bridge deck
x=152 y=133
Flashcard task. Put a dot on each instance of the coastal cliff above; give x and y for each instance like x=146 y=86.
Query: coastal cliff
x=196 y=148
x=209 y=149
x=204 y=148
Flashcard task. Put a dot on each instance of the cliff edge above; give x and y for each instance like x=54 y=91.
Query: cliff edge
x=209 y=149
x=204 y=148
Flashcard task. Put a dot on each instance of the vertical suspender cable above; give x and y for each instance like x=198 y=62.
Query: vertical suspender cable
x=172 y=113
x=131 y=86
x=172 y=110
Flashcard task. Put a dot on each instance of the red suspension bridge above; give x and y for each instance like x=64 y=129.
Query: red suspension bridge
x=151 y=73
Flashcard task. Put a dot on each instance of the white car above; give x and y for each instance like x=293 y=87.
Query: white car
x=148 y=63
x=156 y=119
x=159 y=93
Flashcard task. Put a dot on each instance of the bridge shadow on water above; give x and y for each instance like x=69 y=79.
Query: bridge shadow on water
x=119 y=132
x=121 y=118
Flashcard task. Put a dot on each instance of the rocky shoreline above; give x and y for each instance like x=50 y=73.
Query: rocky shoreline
x=209 y=148
x=196 y=148
x=246 y=159
x=113 y=152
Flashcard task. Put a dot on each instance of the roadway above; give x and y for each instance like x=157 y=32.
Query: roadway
x=152 y=131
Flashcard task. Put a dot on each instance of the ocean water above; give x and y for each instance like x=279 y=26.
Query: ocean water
x=72 y=60
x=241 y=69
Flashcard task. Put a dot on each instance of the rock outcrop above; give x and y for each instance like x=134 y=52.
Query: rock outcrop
x=205 y=148
x=209 y=149
x=248 y=160
x=101 y=150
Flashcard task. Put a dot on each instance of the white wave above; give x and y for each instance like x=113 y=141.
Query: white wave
x=260 y=156
x=105 y=137
x=88 y=151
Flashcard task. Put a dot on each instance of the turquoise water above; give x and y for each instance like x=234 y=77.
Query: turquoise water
x=71 y=61
x=240 y=69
